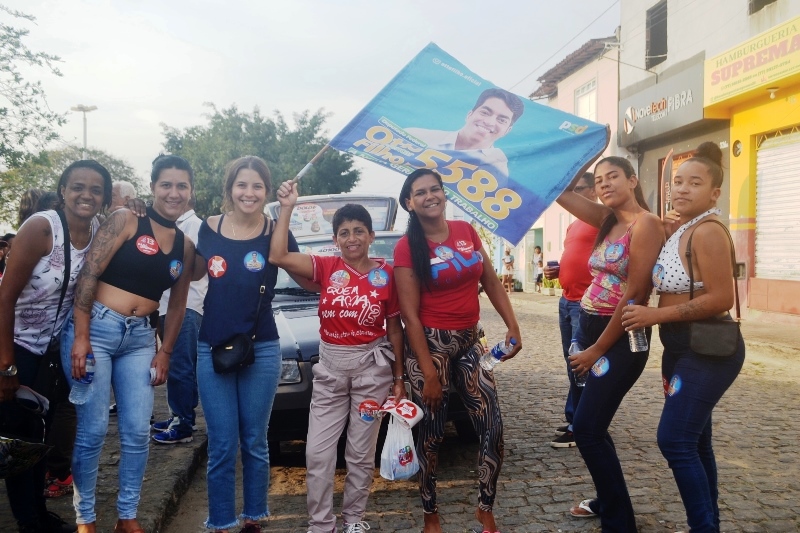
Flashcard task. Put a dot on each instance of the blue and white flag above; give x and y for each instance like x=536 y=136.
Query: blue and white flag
x=503 y=159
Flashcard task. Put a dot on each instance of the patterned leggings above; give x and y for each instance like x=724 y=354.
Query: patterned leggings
x=455 y=355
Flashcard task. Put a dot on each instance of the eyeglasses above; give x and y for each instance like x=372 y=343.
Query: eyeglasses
x=3 y=244
x=580 y=188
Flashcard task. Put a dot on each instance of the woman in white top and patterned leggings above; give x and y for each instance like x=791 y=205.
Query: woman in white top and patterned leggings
x=693 y=384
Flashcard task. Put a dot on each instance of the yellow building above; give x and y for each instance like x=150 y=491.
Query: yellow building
x=756 y=85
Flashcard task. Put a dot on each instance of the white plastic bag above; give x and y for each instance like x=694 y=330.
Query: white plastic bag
x=398 y=457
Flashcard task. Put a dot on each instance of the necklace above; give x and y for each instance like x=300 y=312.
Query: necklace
x=158 y=219
x=233 y=229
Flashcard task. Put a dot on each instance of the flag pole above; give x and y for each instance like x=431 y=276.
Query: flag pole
x=310 y=164
x=666 y=185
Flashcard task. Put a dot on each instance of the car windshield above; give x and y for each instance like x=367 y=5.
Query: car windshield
x=383 y=247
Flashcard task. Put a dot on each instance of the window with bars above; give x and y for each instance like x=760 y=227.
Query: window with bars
x=758 y=5
x=586 y=101
x=656 y=49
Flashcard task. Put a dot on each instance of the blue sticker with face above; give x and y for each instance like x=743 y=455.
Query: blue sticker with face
x=254 y=261
x=444 y=253
x=175 y=269
x=675 y=385
x=378 y=278
x=615 y=252
x=600 y=368
x=658 y=275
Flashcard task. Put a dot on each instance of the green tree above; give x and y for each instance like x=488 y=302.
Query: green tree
x=27 y=124
x=231 y=133
x=44 y=170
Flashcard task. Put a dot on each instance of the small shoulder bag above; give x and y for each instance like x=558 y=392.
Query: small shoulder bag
x=716 y=336
x=239 y=351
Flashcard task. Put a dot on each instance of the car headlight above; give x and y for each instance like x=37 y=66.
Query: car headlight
x=290 y=372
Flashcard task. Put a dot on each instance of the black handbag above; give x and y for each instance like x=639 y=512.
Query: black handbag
x=50 y=380
x=717 y=336
x=239 y=351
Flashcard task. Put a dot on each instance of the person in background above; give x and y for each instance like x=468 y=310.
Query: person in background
x=4 y=248
x=182 y=395
x=360 y=359
x=27 y=204
x=438 y=264
x=693 y=384
x=121 y=193
x=624 y=253
x=48 y=200
x=537 y=257
x=508 y=271
x=574 y=277
x=132 y=261
x=30 y=318
x=538 y=276
x=237 y=405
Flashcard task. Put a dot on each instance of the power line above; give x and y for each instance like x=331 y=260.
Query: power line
x=615 y=2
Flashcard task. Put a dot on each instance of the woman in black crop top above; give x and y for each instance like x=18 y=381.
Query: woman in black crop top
x=130 y=263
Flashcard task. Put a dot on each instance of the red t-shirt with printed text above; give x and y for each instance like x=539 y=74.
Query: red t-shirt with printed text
x=456 y=266
x=353 y=307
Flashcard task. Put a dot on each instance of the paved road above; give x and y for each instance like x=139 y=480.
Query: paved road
x=756 y=440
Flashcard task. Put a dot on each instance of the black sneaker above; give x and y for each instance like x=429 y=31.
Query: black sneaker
x=567 y=440
x=52 y=523
x=561 y=430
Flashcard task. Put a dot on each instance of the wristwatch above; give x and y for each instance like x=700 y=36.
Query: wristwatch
x=9 y=372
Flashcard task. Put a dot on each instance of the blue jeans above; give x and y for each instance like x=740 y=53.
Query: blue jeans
x=693 y=386
x=123 y=349
x=610 y=379
x=237 y=407
x=569 y=313
x=182 y=395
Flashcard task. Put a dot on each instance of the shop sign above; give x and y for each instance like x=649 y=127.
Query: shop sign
x=759 y=62
x=673 y=102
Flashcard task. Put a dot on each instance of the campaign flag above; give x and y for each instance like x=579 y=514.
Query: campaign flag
x=503 y=159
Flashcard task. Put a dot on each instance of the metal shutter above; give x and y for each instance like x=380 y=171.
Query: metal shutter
x=777 y=213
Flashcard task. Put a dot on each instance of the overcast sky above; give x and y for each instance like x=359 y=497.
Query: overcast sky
x=146 y=62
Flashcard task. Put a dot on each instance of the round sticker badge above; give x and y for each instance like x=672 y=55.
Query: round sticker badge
x=444 y=253
x=147 y=245
x=675 y=385
x=340 y=278
x=614 y=252
x=369 y=409
x=254 y=261
x=175 y=269
x=378 y=278
x=600 y=368
x=465 y=247
x=217 y=266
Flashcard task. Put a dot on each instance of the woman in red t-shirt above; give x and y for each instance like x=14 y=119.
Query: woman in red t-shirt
x=438 y=265
x=360 y=358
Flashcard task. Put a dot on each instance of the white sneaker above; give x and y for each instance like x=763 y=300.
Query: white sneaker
x=357 y=527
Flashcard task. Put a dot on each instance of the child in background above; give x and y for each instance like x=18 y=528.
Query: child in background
x=537 y=273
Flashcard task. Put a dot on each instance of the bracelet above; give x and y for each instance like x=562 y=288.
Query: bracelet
x=398 y=377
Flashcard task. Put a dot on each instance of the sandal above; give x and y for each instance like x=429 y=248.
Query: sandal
x=583 y=510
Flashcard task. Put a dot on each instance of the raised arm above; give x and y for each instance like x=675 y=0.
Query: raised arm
x=295 y=263
x=408 y=292
x=499 y=298
x=115 y=230
x=34 y=241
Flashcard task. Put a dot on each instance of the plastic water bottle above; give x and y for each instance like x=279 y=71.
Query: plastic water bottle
x=637 y=339
x=575 y=348
x=491 y=359
x=82 y=388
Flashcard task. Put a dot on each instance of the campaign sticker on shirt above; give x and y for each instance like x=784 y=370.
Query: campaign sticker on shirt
x=675 y=385
x=254 y=261
x=615 y=252
x=175 y=269
x=378 y=278
x=465 y=247
x=147 y=245
x=217 y=266
x=444 y=253
x=600 y=368
x=369 y=409
x=658 y=275
x=340 y=278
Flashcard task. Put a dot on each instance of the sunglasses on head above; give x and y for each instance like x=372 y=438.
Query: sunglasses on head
x=580 y=188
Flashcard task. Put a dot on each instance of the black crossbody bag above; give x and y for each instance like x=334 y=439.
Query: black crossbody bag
x=50 y=380
x=239 y=351
x=716 y=336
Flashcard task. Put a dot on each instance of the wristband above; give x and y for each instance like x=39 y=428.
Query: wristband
x=398 y=377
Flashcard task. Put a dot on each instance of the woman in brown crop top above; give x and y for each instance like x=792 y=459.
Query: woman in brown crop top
x=129 y=264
